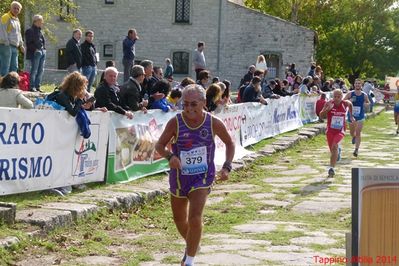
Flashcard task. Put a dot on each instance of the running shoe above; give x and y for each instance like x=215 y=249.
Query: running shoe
x=339 y=154
x=356 y=153
x=331 y=172
x=354 y=140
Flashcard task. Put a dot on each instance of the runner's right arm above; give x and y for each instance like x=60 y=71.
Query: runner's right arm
x=167 y=135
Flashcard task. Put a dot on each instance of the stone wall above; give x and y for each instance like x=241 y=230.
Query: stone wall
x=236 y=49
x=248 y=33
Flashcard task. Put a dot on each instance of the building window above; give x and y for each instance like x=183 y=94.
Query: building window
x=108 y=50
x=182 y=12
x=181 y=62
x=66 y=10
x=109 y=2
x=62 y=59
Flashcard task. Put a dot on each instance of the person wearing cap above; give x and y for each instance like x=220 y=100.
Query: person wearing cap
x=10 y=39
x=35 y=52
x=130 y=92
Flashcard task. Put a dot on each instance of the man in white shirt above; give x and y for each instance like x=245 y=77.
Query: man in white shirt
x=199 y=59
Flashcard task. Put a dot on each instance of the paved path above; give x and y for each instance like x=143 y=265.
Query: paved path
x=300 y=213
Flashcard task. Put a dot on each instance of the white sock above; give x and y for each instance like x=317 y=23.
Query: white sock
x=189 y=260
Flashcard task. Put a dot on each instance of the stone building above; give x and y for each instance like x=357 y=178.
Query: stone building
x=234 y=35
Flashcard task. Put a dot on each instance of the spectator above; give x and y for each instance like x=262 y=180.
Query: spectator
x=248 y=77
x=73 y=52
x=107 y=94
x=213 y=97
x=174 y=98
x=110 y=63
x=10 y=39
x=130 y=92
x=297 y=84
x=279 y=88
x=327 y=86
x=312 y=69
x=226 y=100
x=36 y=52
x=168 y=70
x=257 y=73
x=11 y=95
x=319 y=72
x=290 y=78
x=163 y=104
x=148 y=82
x=154 y=92
x=186 y=81
x=304 y=88
x=316 y=82
x=293 y=70
x=215 y=80
x=267 y=90
x=252 y=92
x=199 y=59
x=89 y=59
x=129 y=52
x=368 y=88
x=261 y=63
x=72 y=92
x=203 y=79
x=320 y=104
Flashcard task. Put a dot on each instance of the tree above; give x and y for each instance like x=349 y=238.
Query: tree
x=51 y=10
x=357 y=38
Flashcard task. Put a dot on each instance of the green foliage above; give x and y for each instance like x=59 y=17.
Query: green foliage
x=358 y=38
x=51 y=10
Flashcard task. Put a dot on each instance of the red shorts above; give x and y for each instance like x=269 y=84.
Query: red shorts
x=334 y=138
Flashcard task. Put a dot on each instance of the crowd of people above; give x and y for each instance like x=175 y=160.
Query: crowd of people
x=146 y=86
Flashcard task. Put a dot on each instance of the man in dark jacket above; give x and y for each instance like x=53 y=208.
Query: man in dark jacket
x=36 y=52
x=129 y=52
x=73 y=52
x=89 y=58
x=131 y=90
x=252 y=92
x=107 y=94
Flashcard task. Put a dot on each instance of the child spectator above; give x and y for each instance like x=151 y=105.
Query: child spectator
x=174 y=98
x=162 y=103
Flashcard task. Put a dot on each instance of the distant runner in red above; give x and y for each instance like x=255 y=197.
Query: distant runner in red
x=335 y=111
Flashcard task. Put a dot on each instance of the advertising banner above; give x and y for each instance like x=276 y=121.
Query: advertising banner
x=375 y=216
x=308 y=108
x=264 y=121
x=131 y=152
x=41 y=149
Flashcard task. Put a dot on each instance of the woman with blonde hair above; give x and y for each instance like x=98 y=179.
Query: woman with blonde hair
x=11 y=95
x=72 y=92
x=261 y=63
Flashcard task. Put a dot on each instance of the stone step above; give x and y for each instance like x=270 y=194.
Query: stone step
x=7 y=212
